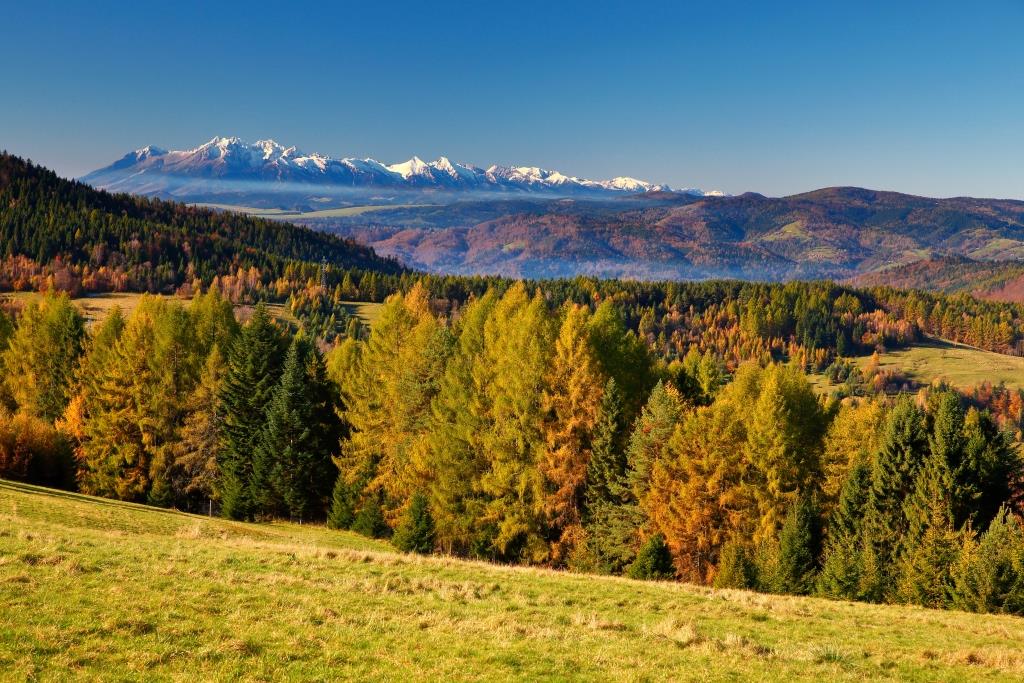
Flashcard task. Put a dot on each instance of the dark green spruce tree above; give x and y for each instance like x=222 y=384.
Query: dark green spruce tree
x=653 y=562
x=989 y=468
x=292 y=468
x=415 y=534
x=842 y=566
x=903 y=451
x=736 y=567
x=931 y=546
x=369 y=519
x=606 y=469
x=344 y=500
x=989 y=573
x=794 y=564
x=254 y=366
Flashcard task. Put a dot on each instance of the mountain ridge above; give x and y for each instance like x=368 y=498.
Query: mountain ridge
x=269 y=167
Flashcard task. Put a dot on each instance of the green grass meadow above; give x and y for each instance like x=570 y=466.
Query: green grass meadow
x=102 y=590
x=933 y=359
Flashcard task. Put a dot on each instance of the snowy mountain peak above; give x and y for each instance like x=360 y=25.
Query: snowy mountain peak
x=220 y=142
x=196 y=171
x=410 y=168
x=443 y=164
x=628 y=184
x=149 y=151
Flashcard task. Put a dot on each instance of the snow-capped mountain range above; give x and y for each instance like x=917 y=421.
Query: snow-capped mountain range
x=227 y=165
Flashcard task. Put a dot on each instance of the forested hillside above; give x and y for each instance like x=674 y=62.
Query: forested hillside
x=834 y=233
x=995 y=280
x=64 y=233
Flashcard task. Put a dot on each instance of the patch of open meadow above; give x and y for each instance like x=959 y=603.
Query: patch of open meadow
x=101 y=589
x=934 y=359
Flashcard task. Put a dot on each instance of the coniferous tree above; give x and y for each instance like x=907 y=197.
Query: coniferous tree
x=135 y=382
x=903 y=450
x=794 y=562
x=697 y=496
x=291 y=467
x=614 y=525
x=40 y=358
x=710 y=374
x=571 y=403
x=852 y=438
x=213 y=318
x=388 y=396
x=784 y=437
x=459 y=418
x=118 y=434
x=607 y=466
x=195 y=473
x=518 y=338
x=842 y=565
x=344 y=500
x=985 y=477
x=416 y=532
x=989 y=573
x=653 y=562
x=736 y=568
x=610 y=523
x=369 y=520
x=254 y=366
x=622 y=356
x=925 y=565
x=649 y=440
x=930 y=546
x=176 y=365
x=875 y=582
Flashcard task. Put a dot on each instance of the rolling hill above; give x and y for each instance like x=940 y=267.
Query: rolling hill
x=99 y=589
x=993 y=280
x=832 y=233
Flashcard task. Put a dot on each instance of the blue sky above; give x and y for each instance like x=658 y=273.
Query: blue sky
x=923 y=97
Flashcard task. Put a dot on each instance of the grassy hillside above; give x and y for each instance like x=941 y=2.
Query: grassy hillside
x=936 y=359
x=102 y=589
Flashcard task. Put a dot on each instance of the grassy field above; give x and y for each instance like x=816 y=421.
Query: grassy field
x=95 y=307
x=959 y=365
x=96 y=589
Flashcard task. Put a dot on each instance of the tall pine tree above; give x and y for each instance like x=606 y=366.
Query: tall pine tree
x=292 y=466
x=254 y=366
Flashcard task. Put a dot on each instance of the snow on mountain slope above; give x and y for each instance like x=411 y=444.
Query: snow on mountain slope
x=266 y=166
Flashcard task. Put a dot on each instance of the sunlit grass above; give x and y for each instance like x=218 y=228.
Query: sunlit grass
x=933 y=359
x=99 y=589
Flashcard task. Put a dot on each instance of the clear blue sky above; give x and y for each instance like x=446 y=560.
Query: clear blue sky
x=923 y=97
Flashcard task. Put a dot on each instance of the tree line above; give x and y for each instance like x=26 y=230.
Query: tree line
x=519 y=429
